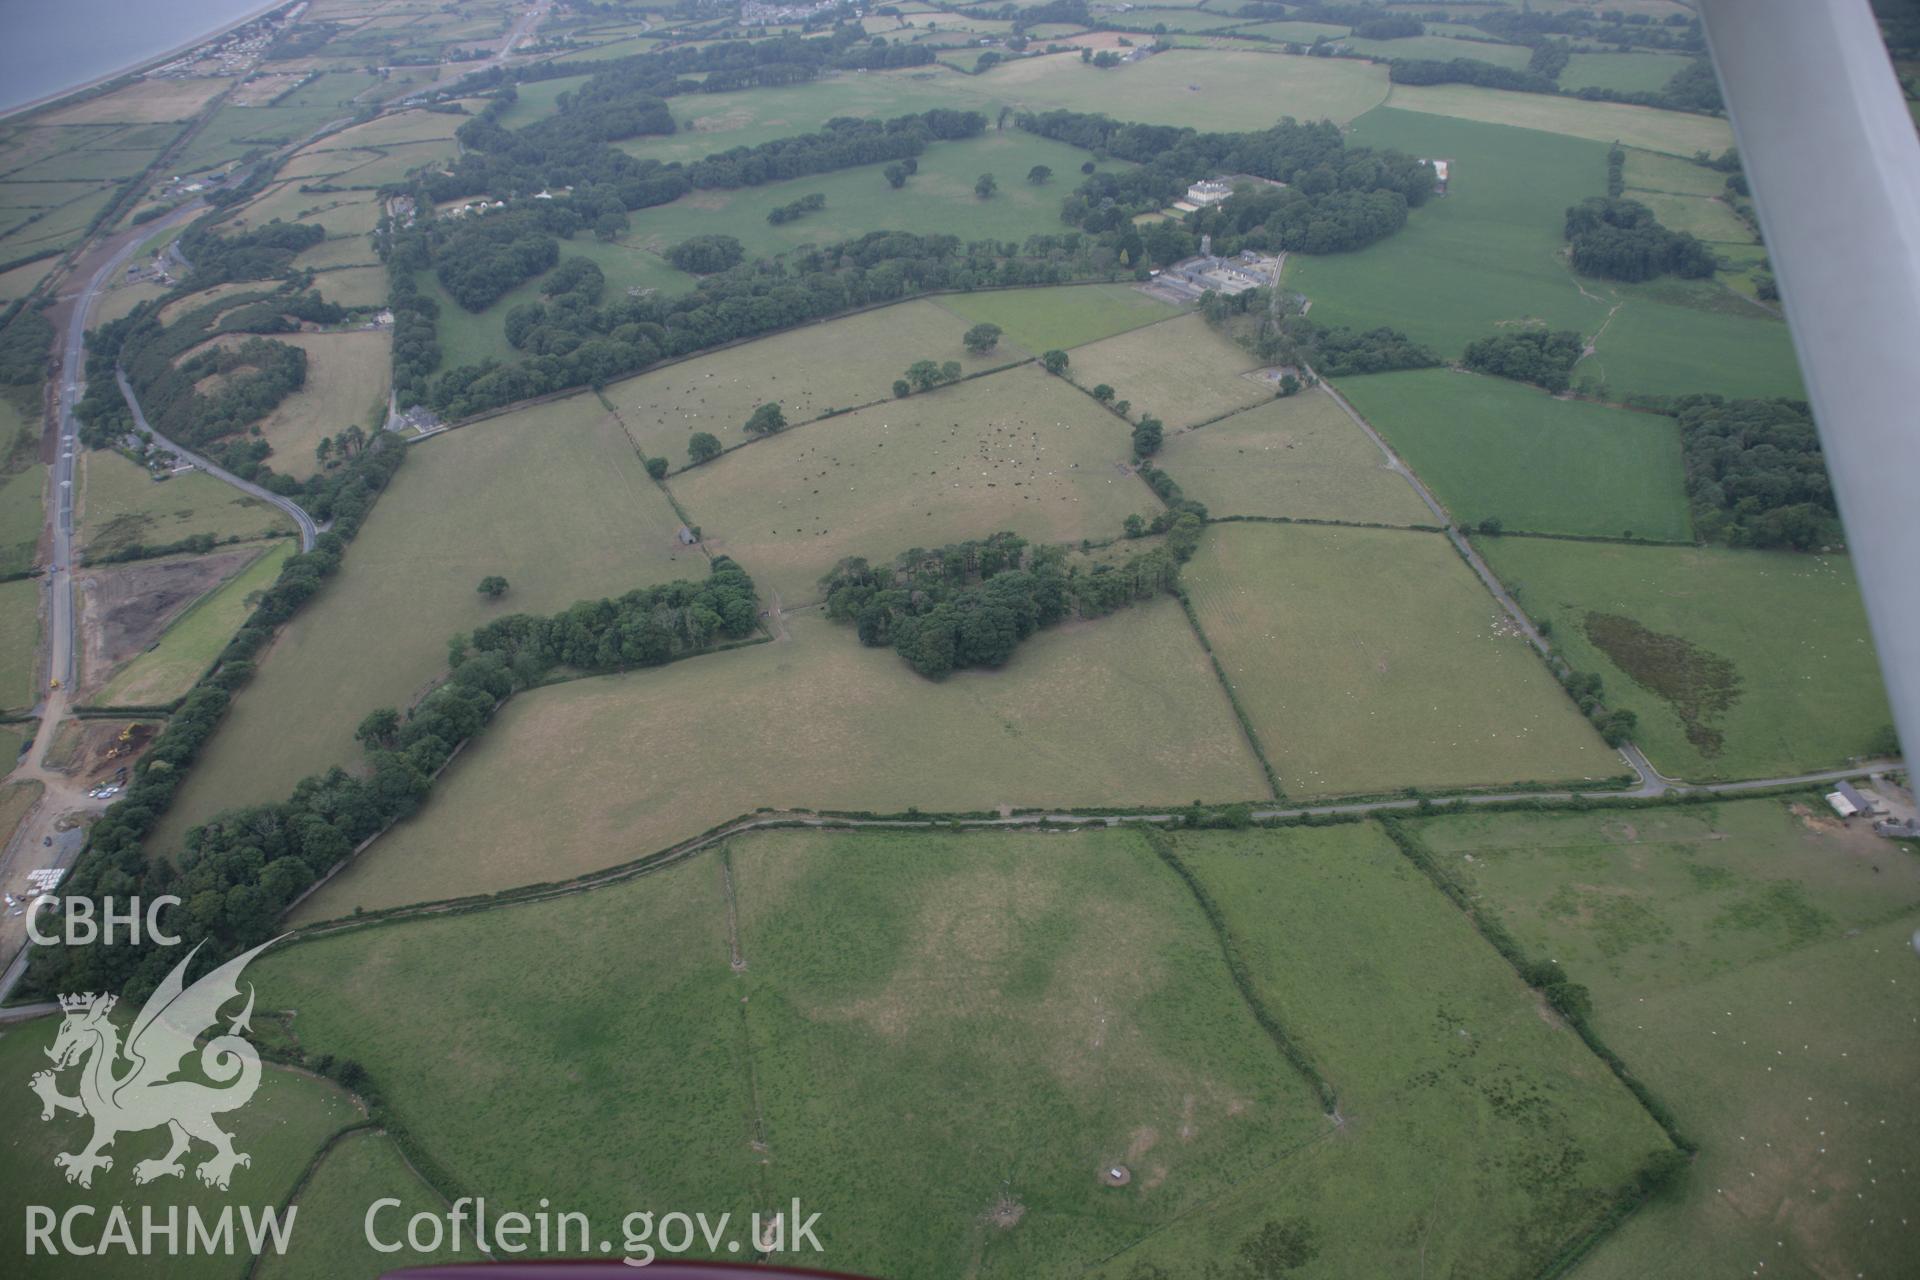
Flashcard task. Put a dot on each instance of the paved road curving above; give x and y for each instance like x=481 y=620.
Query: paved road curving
x=309 y=530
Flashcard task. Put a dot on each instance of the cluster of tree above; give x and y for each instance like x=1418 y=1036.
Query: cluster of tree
x=1755 y=473
x=24 y=347
x=1544 y=358
x=796 y=209
x=1622 y=240
x=1337 y=197
x=639 y=629
x=925 y=375
x=706 y=255
x=416 y=319
x=256 y=374
x=585 y=345
x=1148 y=435
x=1282 y=335
x=1616 y=172
x=241 y=869
x=482 y=258
x=282 y=312
x=766 y=420
x=228 y=881
x=263 y=253
x=981 y=338
x=1525 y=25
x=1392 y=26
x=972 y=603
x=897 y=174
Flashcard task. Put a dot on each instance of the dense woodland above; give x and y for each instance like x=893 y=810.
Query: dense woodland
x=263 y=253
x=1543 y=357
x=1337 y=198
x=1622 y=240
x=970 y=604
x=1755 y=474
x=242 y=868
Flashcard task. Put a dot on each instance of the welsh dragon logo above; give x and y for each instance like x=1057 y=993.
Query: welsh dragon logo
x=131 y=1088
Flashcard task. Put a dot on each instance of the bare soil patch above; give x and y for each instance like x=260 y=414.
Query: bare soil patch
x=95 y=748
x=124 y=608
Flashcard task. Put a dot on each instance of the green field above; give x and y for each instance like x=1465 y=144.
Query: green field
x=1637 y=72
x=1180 y=370
x=1676 y=133
x=188 y=647
x=346 y=386
x=808 y=371
x=1301 y=457
x=1480 y=1137
x=23 y=482
x=282 y=1129
x=1676 y=337
x=574 y=778
x=120 y=504
x=1708 y=218
x=1296 y=32
x=356 y=1171
x=553 y=498
x=1490 y=447
x=928 y=1027
x=1018 y=450
x=1753 y=966
x=19 y=642
x=1071 y=316
x=1713 y=625
x=937 y=200
x=1487 y=254
x=1651 y=171
x=1372 y=660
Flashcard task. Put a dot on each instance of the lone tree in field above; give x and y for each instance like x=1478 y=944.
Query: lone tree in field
x=896 y=175
x=493 y=586
x=1054 y=362
x=982 y=338
x=1039 y=174
x=950 y=371
x=766 y=420
x=1103 y=393
x=902 y=388
x=703 y=446
x=657 y=468
x=984 y=186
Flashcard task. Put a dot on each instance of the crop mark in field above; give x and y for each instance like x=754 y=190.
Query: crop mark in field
x=1698 y=684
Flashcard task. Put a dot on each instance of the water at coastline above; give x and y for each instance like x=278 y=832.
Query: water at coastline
x=51 y=45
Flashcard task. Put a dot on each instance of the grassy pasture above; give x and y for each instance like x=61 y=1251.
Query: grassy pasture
x=1486 y=254
x=1675 y=337
x=346 y=384
x=387 y=130
x=991 y=1019
x=553 y=498
x=1491 y=447
x=1704 y=216
x=234 y=131
x=1651 y=171
x=807 y=371
x=1637 y=72
x=1370 y=660
x=939 y=199
x=1016 y=450
x=1124 y=706
x=538 y=100
x=354 y=286
x=1296 y=32
x=1300 y=457
x=22 y=280
x=282 y=1129
x=121 y=504
x=1753 y=965
x=1676 y=133
x=169 y=669
x=1799 y=664
x=356 y=1171
x=19 y=642
x=22 y=517
x=342 y=213
x=1071 y=316
x=342 y=251
x=144 y=102
x=1435 y=1047
x=1179 y=370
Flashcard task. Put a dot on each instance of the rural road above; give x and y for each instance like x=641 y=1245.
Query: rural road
x=309 y=531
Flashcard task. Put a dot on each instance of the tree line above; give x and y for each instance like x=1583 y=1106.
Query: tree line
x=971 y=604
x=242 y=868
